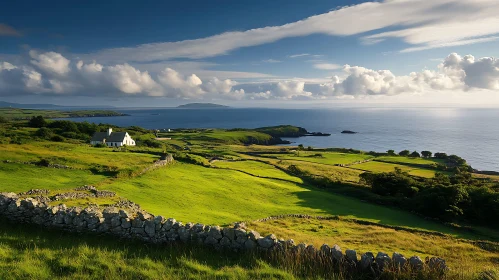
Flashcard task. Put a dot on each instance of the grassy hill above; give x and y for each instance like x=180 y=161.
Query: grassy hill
x=236 y=183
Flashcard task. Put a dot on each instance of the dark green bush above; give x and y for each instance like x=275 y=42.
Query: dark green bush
x=45 y=133
x=37 y=122
x=57 y=138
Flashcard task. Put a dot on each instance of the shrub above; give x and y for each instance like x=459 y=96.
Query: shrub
x=404 y=153
x=43 y=162
x=44 y=132
x=57 y=138
x=64 y=126
x=426 y=154
x=441 y=155
x=415 y=154
x=37 y=122
x=100 y=145
x=74 y=135
x=150 y=143
x=3 y=120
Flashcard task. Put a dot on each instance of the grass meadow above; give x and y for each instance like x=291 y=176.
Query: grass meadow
x=28 y=252
x=257 y=169
x=376 y=166
x=467 y=259
x=325 y=158
x=192 y=193
x=248 y=189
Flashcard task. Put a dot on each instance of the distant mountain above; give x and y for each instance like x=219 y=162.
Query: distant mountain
x=27 y=106
x=4 y=104
x=202 y=106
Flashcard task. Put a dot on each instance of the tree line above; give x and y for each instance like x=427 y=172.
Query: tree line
x=450 y=198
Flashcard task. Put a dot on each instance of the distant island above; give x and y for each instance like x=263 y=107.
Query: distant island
x=202 y=106
x=348 y=132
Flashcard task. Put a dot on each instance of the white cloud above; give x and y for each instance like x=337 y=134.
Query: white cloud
x=426 y=24
x=299 y=55
x=50 y=61
x=450 y=44
x=271 y=61
x=6 y=66
x=457 y=74
x=132 y=81
x=89 y=68
x=327 y=66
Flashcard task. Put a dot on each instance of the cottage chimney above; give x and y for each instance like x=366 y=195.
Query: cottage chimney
x=109 y=131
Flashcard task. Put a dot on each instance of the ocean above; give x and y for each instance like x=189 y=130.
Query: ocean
x=470 y=133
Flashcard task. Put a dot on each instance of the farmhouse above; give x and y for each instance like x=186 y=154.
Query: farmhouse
x=112 y=139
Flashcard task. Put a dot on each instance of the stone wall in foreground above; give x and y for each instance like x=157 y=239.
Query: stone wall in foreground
x=128 y=221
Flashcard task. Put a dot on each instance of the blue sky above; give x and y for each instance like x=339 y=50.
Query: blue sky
x=250 y=53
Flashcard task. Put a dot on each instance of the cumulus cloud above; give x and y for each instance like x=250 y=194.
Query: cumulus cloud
x=454 y=73
x=423 y=24
x=132 y=81
x=52 y=73
x=327 y=66
x=50 y=61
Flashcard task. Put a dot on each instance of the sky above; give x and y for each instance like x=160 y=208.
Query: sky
x=281 y=53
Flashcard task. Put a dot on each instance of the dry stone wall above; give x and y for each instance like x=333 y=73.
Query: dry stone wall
x=128 y=221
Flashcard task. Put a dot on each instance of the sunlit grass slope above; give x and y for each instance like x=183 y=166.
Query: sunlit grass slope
x=465 y=259
x=324 y=158
x=375 y=166
x=22 y=177
x=75 y=155
x=258 y=169
x=193 y=193
x=27 y=252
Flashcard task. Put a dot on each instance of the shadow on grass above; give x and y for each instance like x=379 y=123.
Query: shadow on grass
x=103 y=172
x=345 y=200
x=24 y=239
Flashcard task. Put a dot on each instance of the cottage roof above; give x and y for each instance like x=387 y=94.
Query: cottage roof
x=114 y=137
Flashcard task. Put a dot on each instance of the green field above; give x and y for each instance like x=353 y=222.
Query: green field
x=325 y=158
x=410 y=160
x=376 y=166
x=217 y=180
x=258 y=169
x=32 y=253
x=220 y=136
x=192 y=193
x=21 y=177
x=466 y=258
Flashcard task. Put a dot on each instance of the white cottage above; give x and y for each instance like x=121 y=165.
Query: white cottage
x=112 y=139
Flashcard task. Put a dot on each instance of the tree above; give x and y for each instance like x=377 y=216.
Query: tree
x=37 y=122
x=65 y=126
x=390 y=152
x=44 y=133
x=404 y=153
x=301 y=147
x=310 y=148
x=426 y=154
x=415 y=154
x=441 y=155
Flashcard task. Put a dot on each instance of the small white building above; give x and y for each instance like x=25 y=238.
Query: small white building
x=112 y=139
